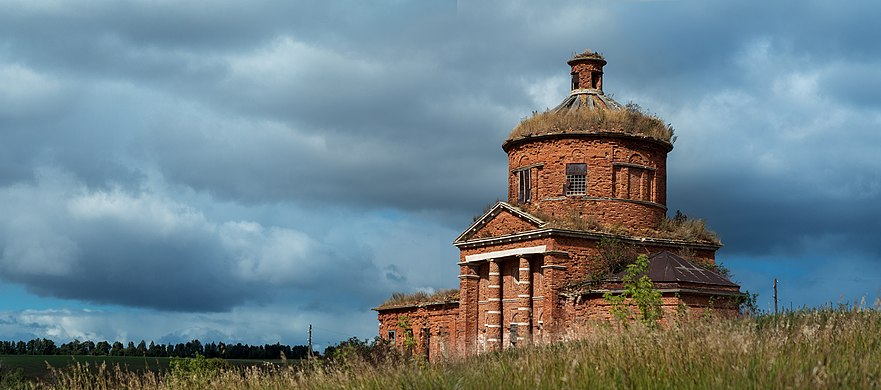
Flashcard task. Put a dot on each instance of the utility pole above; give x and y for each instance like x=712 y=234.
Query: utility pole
x=775 y=297
x=309 y=353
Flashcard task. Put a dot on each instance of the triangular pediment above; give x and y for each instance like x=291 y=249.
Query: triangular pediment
x=500 y=220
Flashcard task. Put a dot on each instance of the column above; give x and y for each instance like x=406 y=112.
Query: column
x=554 y=280
x=468 y=307
x=494 y=307
x=524 y=299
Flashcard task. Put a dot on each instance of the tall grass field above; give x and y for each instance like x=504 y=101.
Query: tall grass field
x=817 y=348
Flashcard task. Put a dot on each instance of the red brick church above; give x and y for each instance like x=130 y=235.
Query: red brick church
x=587 y=192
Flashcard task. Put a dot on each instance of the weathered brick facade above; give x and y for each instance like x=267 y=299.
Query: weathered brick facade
x=626 y=179
x=522 y=273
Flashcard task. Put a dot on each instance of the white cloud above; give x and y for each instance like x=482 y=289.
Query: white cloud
x=28 y=93
x=144 y=212
x=272 y=255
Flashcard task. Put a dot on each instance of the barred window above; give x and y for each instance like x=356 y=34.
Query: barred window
x=524 y=193
x=576 y=179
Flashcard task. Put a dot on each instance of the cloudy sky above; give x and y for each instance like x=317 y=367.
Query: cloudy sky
x=238 y=170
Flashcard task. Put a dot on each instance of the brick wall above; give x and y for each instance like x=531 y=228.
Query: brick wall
x=435 y=329
x=581 y=314
x=626 y=177
x=589 y=74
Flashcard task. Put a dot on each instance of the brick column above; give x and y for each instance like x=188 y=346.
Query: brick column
x=468 y=307
x=494 y=307
x=524 y=299
x=554 y=279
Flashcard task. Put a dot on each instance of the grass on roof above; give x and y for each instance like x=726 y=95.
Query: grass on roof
x=588 y=54
x=631 y=120
x=680 y=227
x=402 y=299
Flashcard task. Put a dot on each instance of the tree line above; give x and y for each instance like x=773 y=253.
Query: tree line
x=189 y=349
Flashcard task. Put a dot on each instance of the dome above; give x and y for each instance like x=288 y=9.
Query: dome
x=587 y=110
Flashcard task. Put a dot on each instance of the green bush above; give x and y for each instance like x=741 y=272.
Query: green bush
x=13 y=379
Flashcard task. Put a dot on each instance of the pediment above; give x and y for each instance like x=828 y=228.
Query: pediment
x=500 y=220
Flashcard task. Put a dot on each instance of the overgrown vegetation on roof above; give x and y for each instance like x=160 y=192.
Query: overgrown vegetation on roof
x=419 y=297
x=588 y=54
x=631 y=120
x=680 y=227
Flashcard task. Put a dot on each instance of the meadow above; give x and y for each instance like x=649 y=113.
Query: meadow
x=38 y=366
x=815 y=348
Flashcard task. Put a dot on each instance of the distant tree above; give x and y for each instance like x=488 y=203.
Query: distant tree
x=118 y=349
x=102 y=349
x=87 y=347
x=211 y=350
x=48 y=347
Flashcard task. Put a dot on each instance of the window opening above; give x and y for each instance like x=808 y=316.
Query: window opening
x=576 y=179
x=513 y=335
x=391 y=335
x=595 y=80
x=574 y=80
x=524 y=193
x=426 y=337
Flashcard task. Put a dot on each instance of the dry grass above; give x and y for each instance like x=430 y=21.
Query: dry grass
x=687 y=229
x=402 y=299
x=680 y=227
x=810 y=349
x=572 y=221
x=632 y=120
x=588 y=54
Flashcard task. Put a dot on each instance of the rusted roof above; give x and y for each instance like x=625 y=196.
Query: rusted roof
x=587 y=99
x=667 y=267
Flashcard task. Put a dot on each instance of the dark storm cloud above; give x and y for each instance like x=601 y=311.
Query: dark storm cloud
x=144 y=250
x=376 y=116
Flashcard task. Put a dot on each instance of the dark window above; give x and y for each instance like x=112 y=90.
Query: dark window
x=595 y=80
x=575 y=80
x=576 y=179
x=426 y=339
x=513 y=334
x=391 y=335
x=524 y=192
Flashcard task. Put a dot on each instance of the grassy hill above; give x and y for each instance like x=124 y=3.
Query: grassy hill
x=828 y=348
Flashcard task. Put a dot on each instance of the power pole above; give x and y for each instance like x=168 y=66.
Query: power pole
x=775 y=296
x=309 y=352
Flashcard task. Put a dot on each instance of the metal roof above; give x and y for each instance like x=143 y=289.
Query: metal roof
x=590 y=99
x=667 y=267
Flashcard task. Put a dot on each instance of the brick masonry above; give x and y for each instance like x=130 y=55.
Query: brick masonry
x=626 y=177
x=516 y=274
